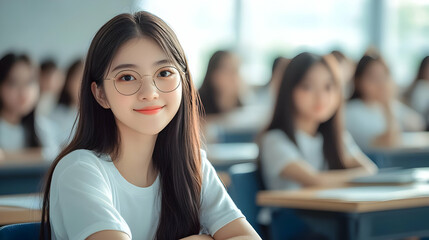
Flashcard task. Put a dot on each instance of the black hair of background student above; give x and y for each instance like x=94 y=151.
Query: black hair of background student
x=47 y=65
x=207 y=90
x=177 y=149
x=65 y=97
x=283 y=117
x=361 y=68
x=6 y=64
x=420 y=75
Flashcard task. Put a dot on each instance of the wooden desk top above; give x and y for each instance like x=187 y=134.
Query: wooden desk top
x=14 y=214
x=310 y=199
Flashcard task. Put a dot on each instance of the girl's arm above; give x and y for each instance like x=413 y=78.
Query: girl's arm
x=304 y=174
x=238 y=229
x=109 y=235
x=391 y=136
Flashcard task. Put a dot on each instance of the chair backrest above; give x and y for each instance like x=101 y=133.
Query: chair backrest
x=245 y=184
x=28 y=231
x=22 y=179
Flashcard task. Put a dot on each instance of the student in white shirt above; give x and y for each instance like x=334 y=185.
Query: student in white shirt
x=63 y=116
x=19 y=92
x=305 y=144
x=134 y=169
x=417 y=94
x=374 y=117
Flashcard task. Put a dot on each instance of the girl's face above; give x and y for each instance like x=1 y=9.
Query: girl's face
x=376 y=84
x=148 y=110
x=226 y=79
x=20 y=90
x=317 y=96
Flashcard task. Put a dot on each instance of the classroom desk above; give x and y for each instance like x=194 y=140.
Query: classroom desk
x=345 y=218
x=25 y=209
x=224 y=155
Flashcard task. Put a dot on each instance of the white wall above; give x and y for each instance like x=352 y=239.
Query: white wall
x=61 y=29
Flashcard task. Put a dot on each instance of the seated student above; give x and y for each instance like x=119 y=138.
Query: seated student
x=305 y=144
x=374 y=117
x=51 y=80
x=346 y=67
x=19 y=92
x=134 y=169
x=64 y=114
x=220 y=91
x=417 y=95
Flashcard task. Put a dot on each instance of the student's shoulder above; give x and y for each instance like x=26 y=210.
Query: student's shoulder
x=79 y=160
x=275 y=136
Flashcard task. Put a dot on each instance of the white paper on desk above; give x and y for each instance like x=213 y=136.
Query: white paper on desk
x=375 y=193
x=30 y=202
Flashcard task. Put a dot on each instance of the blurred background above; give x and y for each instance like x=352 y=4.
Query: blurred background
x=243 y=55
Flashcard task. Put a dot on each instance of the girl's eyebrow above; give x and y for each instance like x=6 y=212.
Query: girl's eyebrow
x=130 y=65
x=126 y=65
x=161 y=62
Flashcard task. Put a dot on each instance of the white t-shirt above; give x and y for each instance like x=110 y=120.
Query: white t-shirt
x=88 y=194
x=63 y=118
x=277 y=151
x=365 y=122
x=13 y=137
x=420 y=97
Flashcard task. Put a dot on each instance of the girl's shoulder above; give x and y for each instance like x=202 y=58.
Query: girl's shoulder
x=275 y=136
x=80 y=160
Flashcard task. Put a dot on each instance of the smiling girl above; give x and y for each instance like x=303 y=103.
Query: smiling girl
x=134 y=169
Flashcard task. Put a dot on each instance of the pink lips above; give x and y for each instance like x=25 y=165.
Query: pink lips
x=150 y=110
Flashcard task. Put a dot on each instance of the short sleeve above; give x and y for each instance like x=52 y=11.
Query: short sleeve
x=217 y=207
x=277 y=152
x=84 y=202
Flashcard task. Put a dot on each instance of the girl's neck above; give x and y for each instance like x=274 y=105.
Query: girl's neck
x=10 y=117
x=307 y=125
x=134 y=161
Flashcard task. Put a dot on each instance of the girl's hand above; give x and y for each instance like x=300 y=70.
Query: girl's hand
x=198 y=237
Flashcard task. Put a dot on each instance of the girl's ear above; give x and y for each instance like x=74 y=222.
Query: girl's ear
x=99 y=95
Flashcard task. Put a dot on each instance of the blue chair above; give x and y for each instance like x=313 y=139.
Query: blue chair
x=22 y=179
x=245 y=184
x=20 y=231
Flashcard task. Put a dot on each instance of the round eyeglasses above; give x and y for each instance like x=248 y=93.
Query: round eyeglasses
x=128 y=82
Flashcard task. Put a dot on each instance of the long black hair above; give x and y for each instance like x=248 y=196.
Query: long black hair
x=207 y=90
x=283 y=117
x=177 y=149
x=6 y=64
x=361 y=68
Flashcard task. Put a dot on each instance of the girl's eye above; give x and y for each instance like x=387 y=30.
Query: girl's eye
x=127 y=78
x=164 y=73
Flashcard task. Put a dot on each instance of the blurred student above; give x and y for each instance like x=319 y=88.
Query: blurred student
x=346 y=70
x=418 y=93
x=51 y=80
x=19 y=92
x=220 y=91
x=374 y=116
x=305 y=144
x=64 y=114
x=134 y=169
x=267 y=94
